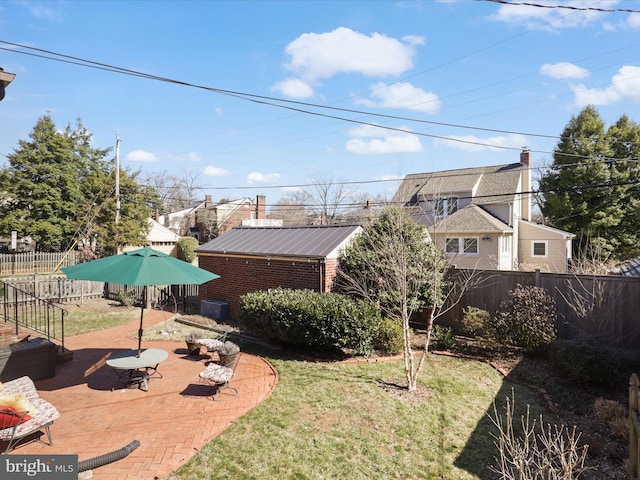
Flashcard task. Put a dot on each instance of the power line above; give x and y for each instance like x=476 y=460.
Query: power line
x=567 y=7
x=268 y=100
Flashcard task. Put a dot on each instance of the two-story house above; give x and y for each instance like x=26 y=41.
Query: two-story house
x=482 y=216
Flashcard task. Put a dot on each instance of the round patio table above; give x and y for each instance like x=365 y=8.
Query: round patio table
x=137 y=370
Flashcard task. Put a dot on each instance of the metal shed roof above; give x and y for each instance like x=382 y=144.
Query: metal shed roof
x=302 y=241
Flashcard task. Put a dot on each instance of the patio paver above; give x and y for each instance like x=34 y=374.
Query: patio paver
x=172 y=421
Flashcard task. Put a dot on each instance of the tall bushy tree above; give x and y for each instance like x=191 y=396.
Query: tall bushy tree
x=44 y=191
x=136 y=206
x=395 y=266
x=58 y=188
x=589 y=189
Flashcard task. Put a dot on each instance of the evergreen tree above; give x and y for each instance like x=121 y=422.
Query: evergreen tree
x=587 y=189
x=59 y=190
x=43 y=189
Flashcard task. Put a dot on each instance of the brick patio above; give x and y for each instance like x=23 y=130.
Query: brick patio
x=172 y=421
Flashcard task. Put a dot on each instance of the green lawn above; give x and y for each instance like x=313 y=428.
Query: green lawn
x=339 y=421
x=78 y=321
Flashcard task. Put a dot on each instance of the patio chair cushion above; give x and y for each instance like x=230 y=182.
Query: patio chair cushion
x=18 y=401
x=217 y=373
x=10 y=417
x=212 y=344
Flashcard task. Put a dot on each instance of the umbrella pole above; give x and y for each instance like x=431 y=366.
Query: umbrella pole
x=140 y=331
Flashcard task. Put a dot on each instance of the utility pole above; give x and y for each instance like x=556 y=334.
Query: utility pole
x=117 y=189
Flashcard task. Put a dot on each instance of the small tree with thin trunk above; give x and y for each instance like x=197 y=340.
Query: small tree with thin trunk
x=394 y=265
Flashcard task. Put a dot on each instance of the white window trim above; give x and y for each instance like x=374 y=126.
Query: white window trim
x=546 y=248
x=461 y=246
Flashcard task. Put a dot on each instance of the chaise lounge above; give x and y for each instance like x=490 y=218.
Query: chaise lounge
x=23 y=412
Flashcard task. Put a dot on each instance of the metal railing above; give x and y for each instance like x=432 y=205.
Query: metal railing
x=24 y=310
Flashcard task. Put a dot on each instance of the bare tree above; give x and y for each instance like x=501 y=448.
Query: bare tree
x=207 y=220
x=292 y=209
x=327 y=198
x=176 y=193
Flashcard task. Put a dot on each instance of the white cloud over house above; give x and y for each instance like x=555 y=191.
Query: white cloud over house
x=624 y=87
x=211 y=171
x=317 y=56
x=372 y=140
x=293 y=88
x=473 y=143
x=257 y=177
x=563 y=70
x=141 y=156
x=401 y=95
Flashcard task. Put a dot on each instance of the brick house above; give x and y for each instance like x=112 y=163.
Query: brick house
x=205 y=219
x=250 y=259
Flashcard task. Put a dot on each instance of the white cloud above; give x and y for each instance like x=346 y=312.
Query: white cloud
x=323 y=55
x=211 y=171
x=141 y=156
x=563 y=70
x=402 y=95
x=473 y=143
x=633 y=20
x=372 y=140
x=218 y=110
x=551 y=18
x=257 y=177
x=191 y=157
x=293 y=88
x=625 y=86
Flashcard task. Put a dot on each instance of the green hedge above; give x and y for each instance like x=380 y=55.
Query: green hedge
x=305 y=318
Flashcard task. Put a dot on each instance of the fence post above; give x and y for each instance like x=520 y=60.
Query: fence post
x=634 y=384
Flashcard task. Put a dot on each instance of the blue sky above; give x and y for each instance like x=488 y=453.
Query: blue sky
x=468 y=82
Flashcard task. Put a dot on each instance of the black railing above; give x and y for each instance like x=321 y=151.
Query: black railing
x=27 y=311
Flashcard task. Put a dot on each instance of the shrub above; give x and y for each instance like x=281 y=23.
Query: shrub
x=126 y=299
x=476 y=322
x=186 y=249
x=305 y=318
x=442 y=338
x=389 y=338
x=527 y=319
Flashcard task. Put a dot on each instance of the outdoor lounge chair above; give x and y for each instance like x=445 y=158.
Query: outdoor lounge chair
x=219 y=376
x=24 y=413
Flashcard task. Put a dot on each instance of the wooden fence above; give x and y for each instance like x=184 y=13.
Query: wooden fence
x=634 y=427
x=34 y=262
x=57 y=288
x=605 y=307
x=60 y=289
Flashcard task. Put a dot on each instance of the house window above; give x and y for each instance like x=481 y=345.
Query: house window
x=467 y=246
x=446 y=206
x=452 y=245
x=539 y=248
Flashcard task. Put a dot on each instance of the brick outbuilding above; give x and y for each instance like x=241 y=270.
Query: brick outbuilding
x=250 y=259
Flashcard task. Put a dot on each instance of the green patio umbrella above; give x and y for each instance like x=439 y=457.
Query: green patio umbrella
x=142 y=267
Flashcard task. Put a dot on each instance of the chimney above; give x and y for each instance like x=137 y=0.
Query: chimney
x=207 y=201
x=525 y=157
x=261 y=207
x=369 y=203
